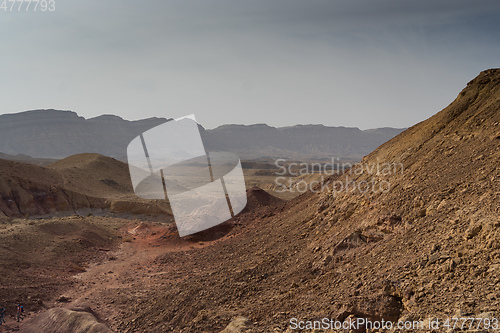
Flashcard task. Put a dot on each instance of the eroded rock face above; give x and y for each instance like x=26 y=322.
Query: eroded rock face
x=58 y=320
x=30 y=190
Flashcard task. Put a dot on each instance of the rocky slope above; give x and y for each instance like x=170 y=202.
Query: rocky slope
x=415 y=237
x=81 y=184
x=66 y=320
x=30 y=190
x=426 y=246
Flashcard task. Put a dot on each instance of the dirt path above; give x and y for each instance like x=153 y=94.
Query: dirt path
x=108 y=264
x=11 y=325
x=65 y=181
x=125 y=272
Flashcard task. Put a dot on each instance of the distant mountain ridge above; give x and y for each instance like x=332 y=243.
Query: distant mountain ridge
x=58 y=134
x=297 y=142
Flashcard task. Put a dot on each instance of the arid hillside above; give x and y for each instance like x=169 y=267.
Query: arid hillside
x=422 y=242
x=94 y=174
x=411 y=233
x=82 y=184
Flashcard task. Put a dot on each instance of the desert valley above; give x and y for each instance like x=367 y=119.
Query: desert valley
x=416 y=243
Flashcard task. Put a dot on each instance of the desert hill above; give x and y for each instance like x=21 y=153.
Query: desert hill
x=84 y=183
x=27 y=190
x=257 y=198
x=59 y=134
x=426 y=247
x=94 y=174
x=411 y=233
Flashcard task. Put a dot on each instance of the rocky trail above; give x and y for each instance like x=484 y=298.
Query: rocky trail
x=409 y=234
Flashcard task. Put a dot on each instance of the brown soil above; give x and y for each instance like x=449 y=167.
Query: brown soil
x=40 y=257
x=428 y=247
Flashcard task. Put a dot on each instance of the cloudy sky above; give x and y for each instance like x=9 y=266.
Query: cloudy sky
x=282 y=62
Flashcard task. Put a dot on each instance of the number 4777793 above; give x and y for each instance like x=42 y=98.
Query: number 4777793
x=28 y=5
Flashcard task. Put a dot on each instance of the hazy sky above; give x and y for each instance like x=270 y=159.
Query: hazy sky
x=282 y=62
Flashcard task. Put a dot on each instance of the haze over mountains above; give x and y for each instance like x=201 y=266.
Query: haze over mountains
x=59 y=134
x=297 y=142
x=426 y=246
